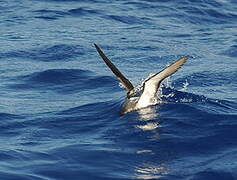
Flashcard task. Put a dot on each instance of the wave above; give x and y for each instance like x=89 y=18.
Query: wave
x=65 y=81
x=49 y=14
x=10 y=124
x=203 y=12
x=99 y=109
x=83 y=12
x=210 y=78
x=6 y=116
x=55 y=14
x=231 y=52
x=128 y=19
x=60 y=52
x=57 y=76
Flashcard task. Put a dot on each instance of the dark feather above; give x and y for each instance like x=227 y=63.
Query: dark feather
x=127 y=84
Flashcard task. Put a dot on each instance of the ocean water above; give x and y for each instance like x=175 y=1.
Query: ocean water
x=59 y=103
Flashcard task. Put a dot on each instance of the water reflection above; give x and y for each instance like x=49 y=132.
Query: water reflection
x=149 y=117
x=150 y=171
x=148 y=114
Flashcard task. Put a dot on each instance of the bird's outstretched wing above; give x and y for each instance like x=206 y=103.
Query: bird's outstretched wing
x=126 y=83
x=152 y=84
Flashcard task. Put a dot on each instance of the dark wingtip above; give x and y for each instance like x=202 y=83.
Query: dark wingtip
x=98 y=49
x=128 y=85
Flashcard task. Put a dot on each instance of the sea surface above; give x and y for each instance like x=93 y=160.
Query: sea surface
x=60 y=104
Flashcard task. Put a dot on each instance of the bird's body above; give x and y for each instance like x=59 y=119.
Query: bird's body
x=129 y=105
x=147 y=96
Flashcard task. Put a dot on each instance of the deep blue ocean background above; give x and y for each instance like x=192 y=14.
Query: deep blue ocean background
x=59 y=103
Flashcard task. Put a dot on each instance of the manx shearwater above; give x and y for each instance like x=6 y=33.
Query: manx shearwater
x=147 y=95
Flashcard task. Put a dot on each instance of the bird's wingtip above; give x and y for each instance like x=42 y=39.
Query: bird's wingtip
x=186 y=57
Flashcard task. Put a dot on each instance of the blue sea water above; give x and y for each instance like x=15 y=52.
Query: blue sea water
x=59 y=103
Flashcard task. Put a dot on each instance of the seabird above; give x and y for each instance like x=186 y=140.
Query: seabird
x=146 y=96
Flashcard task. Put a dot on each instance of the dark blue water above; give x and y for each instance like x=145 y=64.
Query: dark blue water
x=59 y=103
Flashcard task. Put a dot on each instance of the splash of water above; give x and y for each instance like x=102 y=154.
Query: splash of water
x=167 y=83
x=185 y=86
